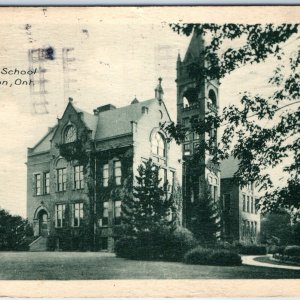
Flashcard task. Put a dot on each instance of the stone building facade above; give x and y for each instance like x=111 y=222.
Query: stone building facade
x=83 y=200
x=67 y=198
x=241 y=219
x=194 y=100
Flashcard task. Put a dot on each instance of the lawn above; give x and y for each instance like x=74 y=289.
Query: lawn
x=95 y=265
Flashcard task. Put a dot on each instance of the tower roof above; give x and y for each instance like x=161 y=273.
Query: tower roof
x=195 y=48
x=134 y=101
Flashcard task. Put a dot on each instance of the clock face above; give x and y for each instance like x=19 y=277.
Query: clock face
x=70 y=134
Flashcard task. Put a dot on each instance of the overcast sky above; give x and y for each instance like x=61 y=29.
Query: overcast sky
x=113 y=62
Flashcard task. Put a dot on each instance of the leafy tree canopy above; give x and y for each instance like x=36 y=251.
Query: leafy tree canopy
x=15 y=232
x=257 y=146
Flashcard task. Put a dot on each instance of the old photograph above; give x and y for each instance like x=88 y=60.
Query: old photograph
x=140 y=145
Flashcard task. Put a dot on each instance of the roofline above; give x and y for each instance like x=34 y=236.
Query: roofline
x=44 y=137
x=113 y=137
x=38 y=153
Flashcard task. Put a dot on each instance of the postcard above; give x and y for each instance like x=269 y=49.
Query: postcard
x=149 y=151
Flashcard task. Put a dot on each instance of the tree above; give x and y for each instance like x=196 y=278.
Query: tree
x=205 y=222
x=15 y=232
x=277 y=229
x=149 y=205
x=257 y=147
x=150 y=216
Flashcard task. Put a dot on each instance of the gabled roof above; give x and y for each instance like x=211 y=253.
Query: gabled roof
x=118 y=121
x=89 y=120
x=105 y=124
x=44 y=143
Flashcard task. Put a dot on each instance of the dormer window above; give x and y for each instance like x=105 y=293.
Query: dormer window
x=70 y=134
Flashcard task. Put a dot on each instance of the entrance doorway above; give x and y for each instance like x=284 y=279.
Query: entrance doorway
x=43 y=223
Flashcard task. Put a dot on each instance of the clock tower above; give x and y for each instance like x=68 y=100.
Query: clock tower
x=196 y=98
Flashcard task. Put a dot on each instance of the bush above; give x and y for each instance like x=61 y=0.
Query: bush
x=159 y=244
x=206 y=256
x=126 y=247
x=225 y=258
x=198 y=256
x=252 y=250
x=177 y=243
x=223 y=245
x=51 y=243
x=274 y=249
x=292 y=250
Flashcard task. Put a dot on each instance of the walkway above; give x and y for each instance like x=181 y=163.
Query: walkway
x=249 y=260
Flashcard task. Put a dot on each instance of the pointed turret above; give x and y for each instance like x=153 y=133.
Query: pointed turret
x=195 y=48
x=178 y=60
x=159 y=92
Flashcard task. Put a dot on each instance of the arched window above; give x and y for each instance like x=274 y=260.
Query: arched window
x=190 y=97
x=70 y=134
x=213 y=98
x=158 y=145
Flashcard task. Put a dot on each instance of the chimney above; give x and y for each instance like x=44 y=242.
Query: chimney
x=144 y=109
x=103 y=108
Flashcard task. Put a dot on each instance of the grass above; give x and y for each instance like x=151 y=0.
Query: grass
x=95 y=265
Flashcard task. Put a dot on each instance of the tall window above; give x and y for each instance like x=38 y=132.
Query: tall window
x=213 y=138
x=105 y=214
x=252 y=205
x=162 y=173
x=105 y=175
x=248 y=204
x=158 y=145
x=78 y=177
x=214 y=192
x=171 y=179
x=61 y=179
x=256 y=202
x=213 y=99
x=60 y=215
x=244 y=202
x=77 y=214
x=117 y=172
x=117 y=212
x=37 y=184
x=196 y=136
x=47 y=183
x=186 y=149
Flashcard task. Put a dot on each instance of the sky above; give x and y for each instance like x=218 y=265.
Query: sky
x=111 y=61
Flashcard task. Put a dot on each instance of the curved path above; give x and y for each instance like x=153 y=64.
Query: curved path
x=249 y=260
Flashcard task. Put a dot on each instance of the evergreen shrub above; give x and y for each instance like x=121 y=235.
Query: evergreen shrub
x=206 y=256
